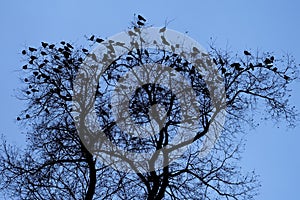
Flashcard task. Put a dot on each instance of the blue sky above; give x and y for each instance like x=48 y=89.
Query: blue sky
x=265 y=25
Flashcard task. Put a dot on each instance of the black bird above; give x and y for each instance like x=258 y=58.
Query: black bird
x=51 y=46
x=141 y=18
x=44 y=44
x=56 y=57
x=23 y=52
x=268 y=61
x=43 y=53
x=34 y=90
x=27 y=116
x=99 y=40
x=272 y=58
x=31 y=62
x=33 y=57
x=35 y=73
x=18 y=118
x=140 y=23
x=286 y=77
x=70 y=46
x=223 y=70
x=63 y=42
x=25 y=79
x=92 y=38
x=215 y=61
x=28 y=92
x=247 y=53
x=85 y=50
x=24 y=67
x=32 y=49
x=221 y=62
x=42 y=65
x=237 y=66
x=146 y=53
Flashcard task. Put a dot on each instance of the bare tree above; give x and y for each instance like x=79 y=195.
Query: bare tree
x=58 y=162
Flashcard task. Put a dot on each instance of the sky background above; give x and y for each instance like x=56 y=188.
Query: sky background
x=265 y=25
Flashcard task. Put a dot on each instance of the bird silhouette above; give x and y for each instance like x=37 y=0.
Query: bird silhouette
x=18 y=118
x=286 y=77
x=85 y=50
x=27 y=116
x=24 y=67
x=247 y=53
x=51 y=46
x=23 y=52
x=33 y=57
x=92 y=38
x=141 y=18
x=35 y=73
x=32 y=49
x=140 y=23
x=63 y=42
x=44 y=44
x=99 y=40
x=43 y=53
x=25 y=79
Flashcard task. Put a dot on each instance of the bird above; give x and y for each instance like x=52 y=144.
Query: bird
x=85 y=50
x=43 y=53
x=18 y=118
x=35 y=73
x=223 y=70
x=140 y=23
x=25 y=79
x=51 y=46
x=32 y=49
x=28 y=92
x=286 y=77
x=24 y=67
x=268 y=61
x=92 y=38
x=146 y=53
x=221 y=62
x=247 y=53
x=33 y=57
x=44 y=44
x=141 y=18
x=99 y=40
x=27 y=116
x=23 y=52
x=63 y=42
x=70 y=46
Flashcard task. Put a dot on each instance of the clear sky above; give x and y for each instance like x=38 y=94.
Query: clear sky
x=265 y=25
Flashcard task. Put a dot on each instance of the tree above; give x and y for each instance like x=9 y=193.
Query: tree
x=61 y=161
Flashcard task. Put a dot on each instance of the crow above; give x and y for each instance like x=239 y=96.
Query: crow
x=141 y=18
x=32 y=49
x=99 y=40
x=44 y=44
x=140 y=23
x=247 y=53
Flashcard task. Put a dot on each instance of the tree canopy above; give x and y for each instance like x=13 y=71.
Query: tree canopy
x=63 y=160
